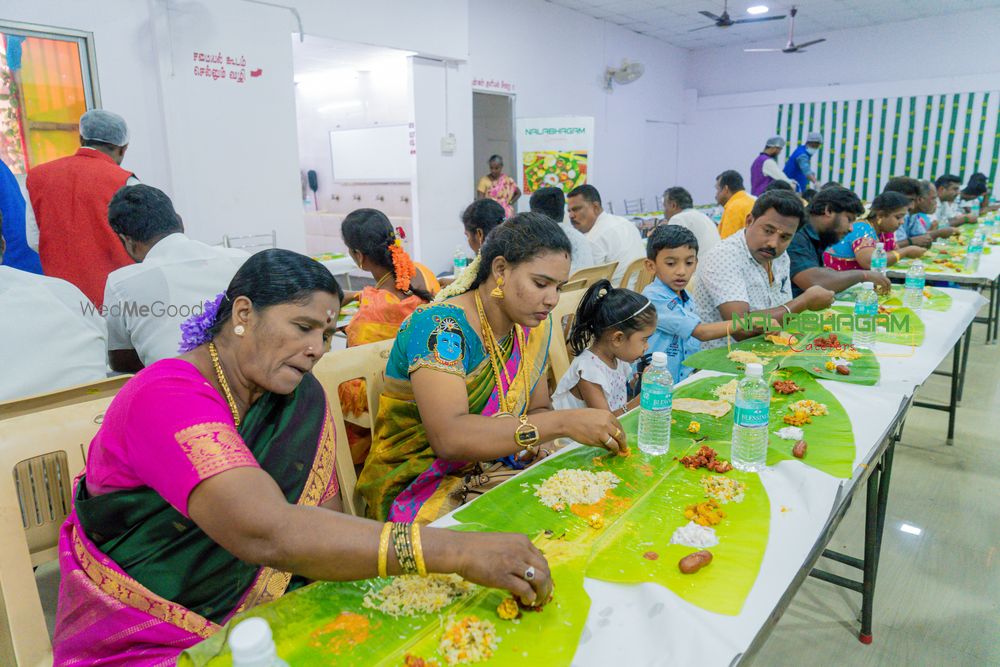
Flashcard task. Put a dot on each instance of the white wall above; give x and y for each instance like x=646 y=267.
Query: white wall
x=734 y=96
x=555 y=58
x=440 y=107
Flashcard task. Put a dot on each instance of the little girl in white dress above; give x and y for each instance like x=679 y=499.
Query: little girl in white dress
x=611 y=331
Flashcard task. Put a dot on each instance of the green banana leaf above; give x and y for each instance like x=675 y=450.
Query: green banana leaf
x=311 y=625
x=865 y=370
x=938 y=300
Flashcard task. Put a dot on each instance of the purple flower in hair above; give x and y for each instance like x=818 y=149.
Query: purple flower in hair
x=196 y=330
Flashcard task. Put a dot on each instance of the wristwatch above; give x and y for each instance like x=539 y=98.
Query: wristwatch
x=526 y=435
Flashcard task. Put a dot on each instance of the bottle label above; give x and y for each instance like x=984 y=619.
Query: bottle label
x=879 y=263
x=865 y=309
x=655 y=397
x=915 y=282
x=751 y=417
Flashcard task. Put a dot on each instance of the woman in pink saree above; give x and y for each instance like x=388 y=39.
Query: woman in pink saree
x=210 y=487
x=499 y=187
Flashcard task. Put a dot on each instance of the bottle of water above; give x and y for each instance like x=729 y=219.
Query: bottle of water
x=750 y=421
x=879 y=261
x=865 y=313
x=252 y=645
x=975 y=250
x=656 y=404
x=913 y=292
x=460 y=261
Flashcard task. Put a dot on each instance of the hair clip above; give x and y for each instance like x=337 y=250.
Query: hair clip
x=603 y=292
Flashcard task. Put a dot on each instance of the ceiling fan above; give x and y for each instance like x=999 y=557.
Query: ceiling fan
x=791 y=47
x=725 y=20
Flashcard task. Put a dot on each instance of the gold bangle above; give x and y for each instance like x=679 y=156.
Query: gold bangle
x=383 y=550
x=403 y=544
x=418 y=549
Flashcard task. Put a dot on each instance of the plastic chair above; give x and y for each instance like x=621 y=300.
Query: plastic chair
x=574 y=285
x=251 y=242
x=562 y=321
x=634 y=206
x=335 y=368
x=594 y=273
x=638 y=274
x=80 y=393
x=40 y=454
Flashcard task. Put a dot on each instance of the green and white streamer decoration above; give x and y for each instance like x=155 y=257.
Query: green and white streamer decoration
x=868 y=141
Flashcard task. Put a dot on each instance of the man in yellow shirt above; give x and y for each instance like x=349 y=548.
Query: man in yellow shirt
x=736 y=202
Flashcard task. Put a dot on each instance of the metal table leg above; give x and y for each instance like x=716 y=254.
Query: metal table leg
x=952 y=407
x=965 y=361
x=996 y=311
x=877 y=500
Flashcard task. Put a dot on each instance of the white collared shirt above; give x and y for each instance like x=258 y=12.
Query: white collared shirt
x=145 y=303
x=730 y=273
x=616 y=239
x=582 y=250
x=701 y=226
x=946 y=210
x=51 y=335
x=771 y=169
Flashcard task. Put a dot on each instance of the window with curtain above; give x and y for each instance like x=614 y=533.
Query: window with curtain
x=46 y=84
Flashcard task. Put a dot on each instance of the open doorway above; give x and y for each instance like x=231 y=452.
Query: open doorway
x=354 y=112
x=493 y=132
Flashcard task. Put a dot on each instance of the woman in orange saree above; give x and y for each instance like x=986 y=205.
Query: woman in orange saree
x=401 y=285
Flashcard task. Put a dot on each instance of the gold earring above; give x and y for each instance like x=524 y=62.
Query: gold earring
x=497 y=292
x=239 y=330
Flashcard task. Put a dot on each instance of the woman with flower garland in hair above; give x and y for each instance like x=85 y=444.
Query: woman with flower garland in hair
x=400 y=286
x=210 y=486
x=466 y=389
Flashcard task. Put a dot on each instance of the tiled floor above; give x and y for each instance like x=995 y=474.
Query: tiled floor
x=937 y=600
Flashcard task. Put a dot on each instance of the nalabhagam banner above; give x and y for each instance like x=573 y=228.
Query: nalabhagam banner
x=554 y=151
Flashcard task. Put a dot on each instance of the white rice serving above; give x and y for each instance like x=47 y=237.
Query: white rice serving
x=573 y=486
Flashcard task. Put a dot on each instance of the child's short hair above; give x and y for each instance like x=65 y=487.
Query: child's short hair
x=605 y=308
x=670 y=236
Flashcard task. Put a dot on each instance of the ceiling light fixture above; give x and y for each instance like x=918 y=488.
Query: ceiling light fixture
x=912 y=530
x=758 y=9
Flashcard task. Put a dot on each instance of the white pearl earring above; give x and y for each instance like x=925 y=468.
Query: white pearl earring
x=239 y=330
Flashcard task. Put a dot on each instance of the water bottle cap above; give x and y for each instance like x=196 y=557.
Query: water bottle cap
x=880 y=246
x=251 y=642
x=867 y=285
x=755 y=370
x=659 y=359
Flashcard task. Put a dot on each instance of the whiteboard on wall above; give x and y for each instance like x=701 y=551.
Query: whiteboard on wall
x=372 y=154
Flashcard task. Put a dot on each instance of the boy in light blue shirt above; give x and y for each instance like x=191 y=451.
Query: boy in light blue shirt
x=672 y=254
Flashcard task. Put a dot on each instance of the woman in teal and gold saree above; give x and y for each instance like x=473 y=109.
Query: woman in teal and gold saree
x=480 y=353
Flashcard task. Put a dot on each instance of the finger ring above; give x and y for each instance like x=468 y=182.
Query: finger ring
x=529 y=574
x=618 y=432
x=609 y=441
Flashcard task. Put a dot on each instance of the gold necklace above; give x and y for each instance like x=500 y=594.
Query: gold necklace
x=221 y=377
x=496 y=360
x=381 y=281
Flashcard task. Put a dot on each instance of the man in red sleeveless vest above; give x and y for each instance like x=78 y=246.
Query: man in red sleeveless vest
x=70 y=199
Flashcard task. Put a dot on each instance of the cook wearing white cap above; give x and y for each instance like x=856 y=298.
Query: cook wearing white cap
x=765 y=169
x=799 y=164
x=69 y=199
